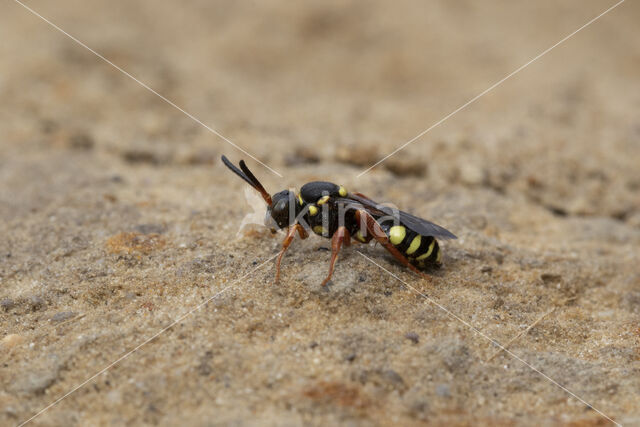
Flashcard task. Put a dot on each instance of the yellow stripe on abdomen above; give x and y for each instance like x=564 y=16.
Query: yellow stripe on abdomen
x=426 y=254
x=397 y=234
x=415 y=244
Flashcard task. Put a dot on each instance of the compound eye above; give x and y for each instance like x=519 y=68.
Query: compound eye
x=280 y=207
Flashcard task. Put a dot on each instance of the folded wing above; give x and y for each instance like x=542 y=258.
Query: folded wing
x=419 y=225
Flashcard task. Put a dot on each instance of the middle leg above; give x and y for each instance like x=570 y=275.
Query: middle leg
x=341 y=236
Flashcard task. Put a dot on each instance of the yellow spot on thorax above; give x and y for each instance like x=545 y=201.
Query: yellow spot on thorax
x=300 y=199
x=426 y=254
x=323 y=200
x=396 y=234
x=342 y=191
x=318 y=229
x=415 y=244
x=312 y=210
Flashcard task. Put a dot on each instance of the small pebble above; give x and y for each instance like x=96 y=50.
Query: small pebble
x=150 y=228
x=12 y=340
x=7 y=304
x=204 y=369
x=550 y=278
x=406 y=166
x=63 y=315
x=302 y=156
x=81 y=141
x=393 y=377
x=413 y=337
x=36 y=303
x=443 y=390
x=472 y=174
x=357 y=155
x=36 y=382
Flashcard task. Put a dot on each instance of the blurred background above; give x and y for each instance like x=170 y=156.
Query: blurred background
x=114 y=204
x=337 y=83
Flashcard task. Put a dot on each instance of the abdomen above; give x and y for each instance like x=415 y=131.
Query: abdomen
x=422 y=251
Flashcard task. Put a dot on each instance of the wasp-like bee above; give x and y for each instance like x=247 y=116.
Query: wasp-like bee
x=330 y=211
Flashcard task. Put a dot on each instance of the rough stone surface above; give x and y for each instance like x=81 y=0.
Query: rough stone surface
x=7 y=304
x=63 y=315
x=11 y=340
x=114 y=205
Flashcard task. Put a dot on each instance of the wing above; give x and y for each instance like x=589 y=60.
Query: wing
x=419 y=225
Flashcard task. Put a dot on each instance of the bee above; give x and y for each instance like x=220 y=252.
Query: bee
x=330 y=211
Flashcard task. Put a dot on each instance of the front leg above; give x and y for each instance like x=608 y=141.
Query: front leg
x=291 y=232
x=339 y=237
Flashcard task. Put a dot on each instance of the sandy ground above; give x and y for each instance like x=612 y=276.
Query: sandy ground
x=118 y=218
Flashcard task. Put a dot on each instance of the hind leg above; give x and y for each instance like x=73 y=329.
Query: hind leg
x=381 y=237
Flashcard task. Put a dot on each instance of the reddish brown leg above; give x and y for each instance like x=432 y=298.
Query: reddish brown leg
x=346 y=240
x=339 y=237
x=302 y=232
x=286 y=242
x=376 y=231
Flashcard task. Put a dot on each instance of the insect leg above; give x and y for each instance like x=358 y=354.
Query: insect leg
x=285 y=245
x=302 y=232
x=339 y=237
x=381 y=237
